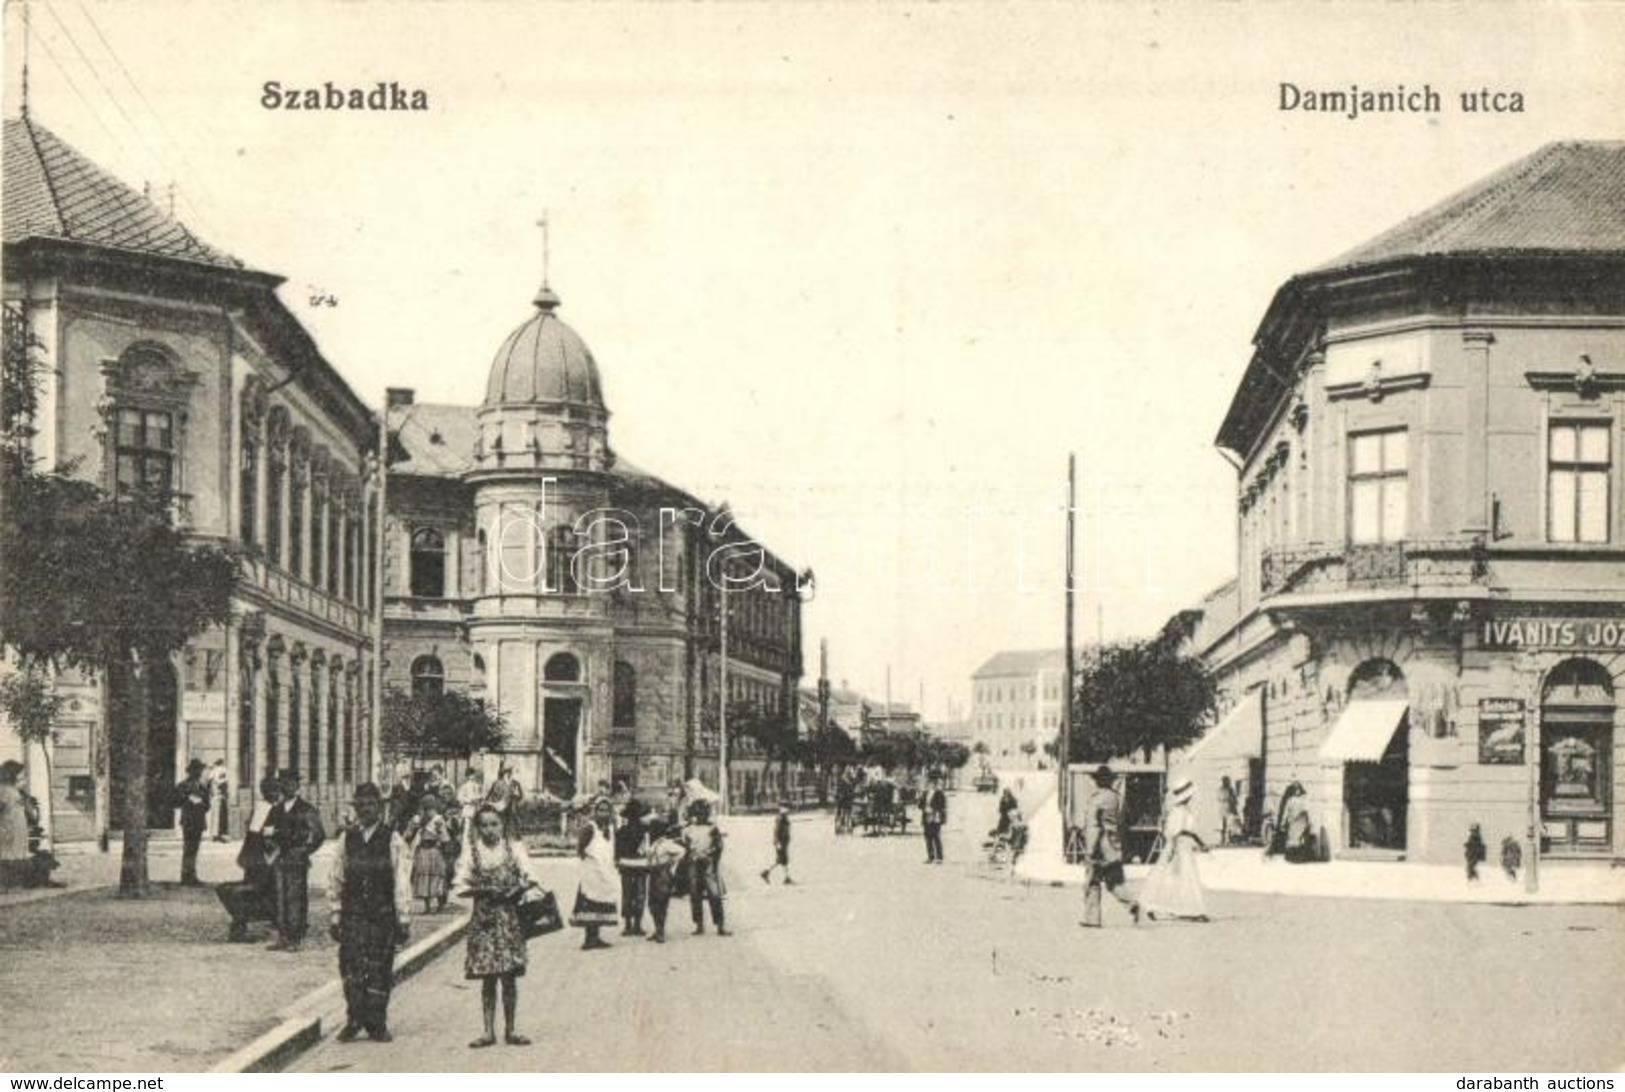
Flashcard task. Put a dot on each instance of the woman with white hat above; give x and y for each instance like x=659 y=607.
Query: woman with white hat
x=1174 y=889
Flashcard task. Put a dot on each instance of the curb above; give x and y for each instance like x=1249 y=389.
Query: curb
x=300 y=1025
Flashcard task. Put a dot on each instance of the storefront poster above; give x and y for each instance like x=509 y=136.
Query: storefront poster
x=1501 y=731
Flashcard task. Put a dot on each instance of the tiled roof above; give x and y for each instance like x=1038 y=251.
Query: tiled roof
x=53 y=191
x=437 y=441
x=1566 y=198
x=1021 y=663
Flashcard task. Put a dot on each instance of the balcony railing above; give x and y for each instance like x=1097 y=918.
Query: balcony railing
x=1417 y=564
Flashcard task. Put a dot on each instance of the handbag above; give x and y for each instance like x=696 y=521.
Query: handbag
x=539 y=913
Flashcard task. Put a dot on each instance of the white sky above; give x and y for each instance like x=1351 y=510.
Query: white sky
x=867 y=272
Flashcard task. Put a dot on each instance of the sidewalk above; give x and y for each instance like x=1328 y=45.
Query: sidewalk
x=1245 y=869
x=95 y=982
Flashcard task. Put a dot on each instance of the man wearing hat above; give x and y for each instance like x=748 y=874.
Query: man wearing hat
x=933 y=814
x=781 y=846
x=369 y=899
x=1103 y=848
x=293 y=832
x=191 y=797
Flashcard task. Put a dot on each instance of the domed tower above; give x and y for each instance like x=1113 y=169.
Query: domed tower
x=541 y=462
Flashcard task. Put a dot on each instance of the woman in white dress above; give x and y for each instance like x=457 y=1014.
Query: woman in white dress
x=1174 y=889
x=598 y=898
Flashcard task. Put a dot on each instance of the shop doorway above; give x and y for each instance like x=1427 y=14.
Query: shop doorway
x=1376 y=788
x=561 y=724
x=1576 y=754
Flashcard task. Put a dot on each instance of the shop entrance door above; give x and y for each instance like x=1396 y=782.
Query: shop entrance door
x=160 y=775
x=1376 y=795
x=1576 y=754
x=561 y=723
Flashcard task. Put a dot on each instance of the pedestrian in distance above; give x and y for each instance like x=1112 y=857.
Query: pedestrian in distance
x=219 y=782
x=1511 y=857
x=1229 y=816
x=631 y=860
x=703 y=842
x=505 y=793
x=470 y=795
x=781 y=846
x=293 y=833
x=16 y=869
x=369 y=898
x=665 y=852
x=599 y=891
x=1475 y=851
x=1174 y=889
x=495 y=871
x=1103 y=849
x=933 y=815
x=191 y=799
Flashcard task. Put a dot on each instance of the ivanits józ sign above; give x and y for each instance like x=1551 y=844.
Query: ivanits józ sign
x=1577 y=633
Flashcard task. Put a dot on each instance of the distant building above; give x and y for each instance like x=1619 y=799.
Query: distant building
x=1017 y=698
x=172 y=366
x=1426 y=626
x=530 y=565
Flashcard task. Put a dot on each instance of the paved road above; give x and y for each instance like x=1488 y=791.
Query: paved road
x=876 y=961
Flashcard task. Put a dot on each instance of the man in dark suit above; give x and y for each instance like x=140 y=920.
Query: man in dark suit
x=293 y=833
x=933 y=814
x=191 y=798
x=254 y=897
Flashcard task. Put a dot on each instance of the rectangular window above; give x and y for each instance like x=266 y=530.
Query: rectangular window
x=1578 y=469
x=146 y=452
x=1378 y=486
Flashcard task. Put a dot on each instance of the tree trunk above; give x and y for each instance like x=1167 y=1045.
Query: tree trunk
x=129 y=756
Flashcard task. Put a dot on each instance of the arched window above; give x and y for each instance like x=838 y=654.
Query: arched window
x=276 y=474
x=626 y=695
x=562 y=667
x=428 y=563
x=428 y=677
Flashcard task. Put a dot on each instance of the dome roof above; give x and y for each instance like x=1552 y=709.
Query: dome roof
x=544 y=361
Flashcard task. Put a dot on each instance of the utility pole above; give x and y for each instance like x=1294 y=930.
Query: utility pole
x=1071 y=674
x=722 y=752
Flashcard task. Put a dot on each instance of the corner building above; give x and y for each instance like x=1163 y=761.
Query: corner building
x=1427 y=627
x=528 y=564
x=171 y=366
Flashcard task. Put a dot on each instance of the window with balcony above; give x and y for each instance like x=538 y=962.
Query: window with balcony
x=1578 y=469
x=428 y=563
x=1378 y=486
x=146 y=453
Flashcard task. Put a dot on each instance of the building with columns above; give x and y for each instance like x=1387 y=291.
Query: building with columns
x=528 y=564
x=1427 y=626
x=171 y=365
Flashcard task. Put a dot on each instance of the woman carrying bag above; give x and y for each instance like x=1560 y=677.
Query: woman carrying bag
x=495 y=871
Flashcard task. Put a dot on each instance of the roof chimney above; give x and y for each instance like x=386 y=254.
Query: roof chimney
x=398 y=396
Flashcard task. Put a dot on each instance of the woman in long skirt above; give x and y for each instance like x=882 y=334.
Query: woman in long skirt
x=426 y=833
x=598 y=898
x=494 y=871
x=1174 y=889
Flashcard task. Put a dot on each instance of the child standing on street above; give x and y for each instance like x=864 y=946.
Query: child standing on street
x=425 y=832
x=665 y=851
x=781 y=846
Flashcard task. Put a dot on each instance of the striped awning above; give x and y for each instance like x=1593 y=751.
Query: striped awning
x=1239 y=733
x=1362 y=733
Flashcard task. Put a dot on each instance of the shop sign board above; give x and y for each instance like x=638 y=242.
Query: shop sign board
x=1556 y=633
x=203 y=705
x=1501 y=731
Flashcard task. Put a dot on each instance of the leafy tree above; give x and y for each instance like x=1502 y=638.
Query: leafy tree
x=1140 y=696
x=981 y=748
x=448 y=724
x=98 y=582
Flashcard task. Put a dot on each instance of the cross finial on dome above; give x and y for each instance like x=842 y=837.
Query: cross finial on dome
x=546 y=299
